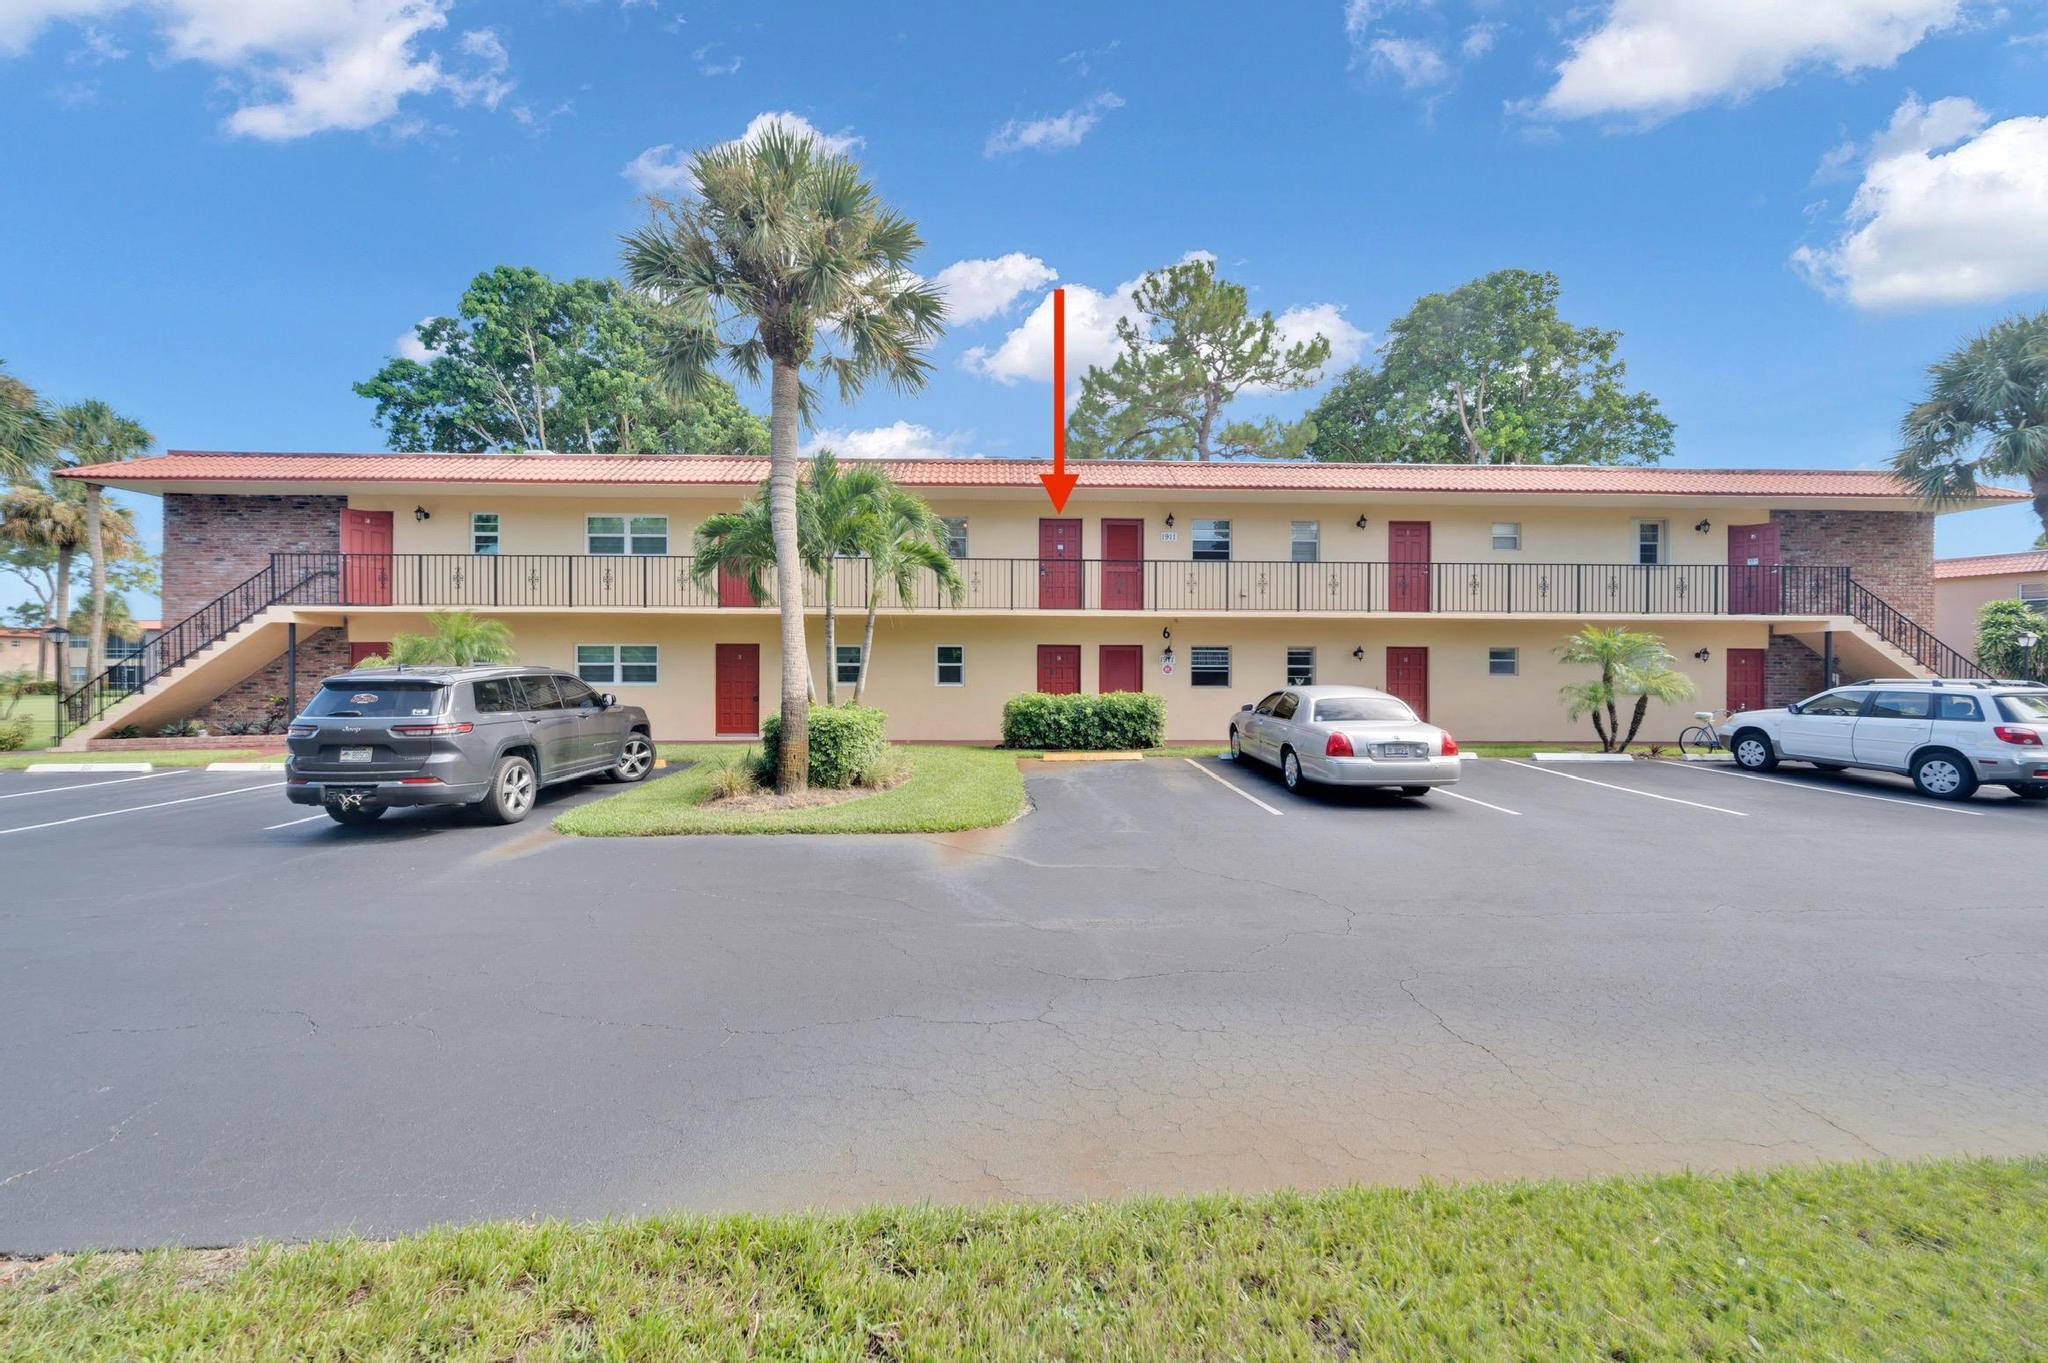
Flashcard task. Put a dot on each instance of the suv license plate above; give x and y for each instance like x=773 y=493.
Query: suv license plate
x=355 y=754
x=1400 y=750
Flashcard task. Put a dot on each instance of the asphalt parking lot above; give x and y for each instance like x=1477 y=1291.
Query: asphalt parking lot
x=225 y=1017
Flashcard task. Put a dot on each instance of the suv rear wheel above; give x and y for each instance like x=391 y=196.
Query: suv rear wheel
x=636 y=759
x=1752 y=751
x=513 y=788
x=1944 y=775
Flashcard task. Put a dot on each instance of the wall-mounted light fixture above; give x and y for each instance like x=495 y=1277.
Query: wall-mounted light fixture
x=1169 y=520
x=420 y=513
x=1704 y=526
x=1361 y=522
x=1166 y=655
x=1704 y=654
x=1359 y=653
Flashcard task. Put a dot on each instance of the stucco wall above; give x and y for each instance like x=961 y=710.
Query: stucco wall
x=1958 y=599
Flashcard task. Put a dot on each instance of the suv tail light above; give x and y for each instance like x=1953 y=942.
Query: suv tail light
x=428 y=730
x=2016 y=733
x=1450 y=745
x=303 y=730
x=1338 y=745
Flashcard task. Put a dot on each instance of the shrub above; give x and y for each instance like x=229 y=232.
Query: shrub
x=14 y=733
x=182 y=728
x=736 y=778
x=1117 y=722
x=2001 y=626
x=847 y=745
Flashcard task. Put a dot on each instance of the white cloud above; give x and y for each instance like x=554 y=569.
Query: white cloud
x=410 y=347
x=980 y=289
x=1930 y=227
x=899 y=440
x=1300 y=324
x=1415 y=62
x=710 y=65
x=1651 y=59
x=665 y=168
x=658 y=169
x=1478 y=41
x=300 y=67
x=1056 y=133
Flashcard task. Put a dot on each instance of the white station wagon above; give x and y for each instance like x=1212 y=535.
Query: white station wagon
x=1949 y=736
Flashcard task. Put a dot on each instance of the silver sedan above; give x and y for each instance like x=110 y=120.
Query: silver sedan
x=1346 y=736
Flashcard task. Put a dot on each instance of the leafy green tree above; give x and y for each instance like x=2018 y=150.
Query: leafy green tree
x=91 y=432
x=785 y=260
x=1490 y=374
x=533 y=363
x=453 y=639
x=28 y=432
x=1985 y=416
x=835 y=506
x=46 y=516
x=1631 y=664
x=2004 y=632
x=903 y=538
x=1195 y=349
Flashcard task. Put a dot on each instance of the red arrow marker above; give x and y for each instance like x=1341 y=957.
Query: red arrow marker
x=1059 y=483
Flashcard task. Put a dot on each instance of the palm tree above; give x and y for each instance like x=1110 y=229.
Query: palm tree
x=905 y=537
x=94 y=433
x=784 y=259
x=36 y=516
x=1985 y=416
x=841 y=506
x=1631 y=664
x=28 y=433
x=453 y=639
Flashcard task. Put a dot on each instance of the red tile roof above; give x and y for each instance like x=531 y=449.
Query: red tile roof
x=1993 y=565
x=183 y=466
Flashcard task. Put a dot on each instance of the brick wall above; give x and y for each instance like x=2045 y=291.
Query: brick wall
x=321 y=652
x=1890 y=552
x=212 y=542
x=1792 y=671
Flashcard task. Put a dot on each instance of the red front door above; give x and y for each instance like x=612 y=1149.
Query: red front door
x=739 y=688
x=1408 y=678
x=359 y=649
x=1746 y=678
x=1059 y=669
x=732 y=588
x=1753 y=569
x=1120 y=667
x=1059 y=565
x=1408 y=547
x=366 y=558
x=1123 y=566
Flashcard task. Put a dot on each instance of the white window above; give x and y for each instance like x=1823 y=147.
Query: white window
x=1301 y=667
x=846 y=664
x=1208 y=667
x=1305 y=538
x=1212 y=541
x=1503 y=662
x=625 y=534
x=618 y=664
x=1650 y=537
x=1507 y=534
x=2035 y=594
x=956 y=535
x=483 y=532
x=949 y=665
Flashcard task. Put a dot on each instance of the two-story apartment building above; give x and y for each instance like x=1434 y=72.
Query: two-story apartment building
x=1450 y=585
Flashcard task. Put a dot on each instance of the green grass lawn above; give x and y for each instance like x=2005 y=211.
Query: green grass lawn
x=948 y=788
x=1848 y=1262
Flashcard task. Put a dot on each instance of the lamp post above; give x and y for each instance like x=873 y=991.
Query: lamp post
x=60 y=669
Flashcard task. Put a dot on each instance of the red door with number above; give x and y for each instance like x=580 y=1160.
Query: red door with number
x=1753 y=572
x=366 y=558
x=1746 y=678
x=1059 y=669
x=1059 y=565
x=732 y=588
x=1408 y=678
x=1120 y=667
x=739 y=688
x=1408 y=548
x=1123 y=566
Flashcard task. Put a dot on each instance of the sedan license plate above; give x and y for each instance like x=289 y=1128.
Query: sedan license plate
x=355 y=754
x=1400 y=750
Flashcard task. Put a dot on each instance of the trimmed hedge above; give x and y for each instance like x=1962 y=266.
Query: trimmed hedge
x=1117 y=722
x=847 y=744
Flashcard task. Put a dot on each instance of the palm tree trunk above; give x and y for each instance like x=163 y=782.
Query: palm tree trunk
x=831 y=575
x=867 y=644
x=1635 y=722
x=793 y=754
x=1613 y=719
x=2040 y=490
x=96 y=645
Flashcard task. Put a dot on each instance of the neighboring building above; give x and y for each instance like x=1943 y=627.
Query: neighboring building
x=1963 y=585
x=1208 y=583
x=23 y=650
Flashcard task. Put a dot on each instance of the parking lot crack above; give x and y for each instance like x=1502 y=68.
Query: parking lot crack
x=1823 y=1118
x=113 y=1134
x=1460 y=1037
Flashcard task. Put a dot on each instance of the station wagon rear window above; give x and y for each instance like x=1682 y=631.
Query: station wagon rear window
x=1360 y=709
x=379 y=700
x=2025 y=709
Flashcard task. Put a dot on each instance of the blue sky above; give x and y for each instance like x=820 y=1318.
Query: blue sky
x=220 y=213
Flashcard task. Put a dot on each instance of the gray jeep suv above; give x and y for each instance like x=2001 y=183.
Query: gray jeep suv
x=489 y=737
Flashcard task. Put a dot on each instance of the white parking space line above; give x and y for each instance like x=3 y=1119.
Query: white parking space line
x=93 y=785
x=137 y=809
x=1625 y=790
x=1233 y=787
x=1481 y=803
x=1927 y=805
x=292 y=823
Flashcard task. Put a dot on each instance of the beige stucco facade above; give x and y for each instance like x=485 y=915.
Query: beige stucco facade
x=1958 y=599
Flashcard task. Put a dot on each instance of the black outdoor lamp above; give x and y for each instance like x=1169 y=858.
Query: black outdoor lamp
x=1359 y=653
x=60 y=665
x=1704 y=526
x=1169 y=520
x=1361 y=522
x=1703 y=654
x=420 y=513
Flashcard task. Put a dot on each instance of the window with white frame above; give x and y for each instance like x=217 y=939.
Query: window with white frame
x=1507 y=534
x=625 y=534
x=1304 y=539
x=2035 y=594
x=1503 y=662
x=1209 y=667
x=949 y=665
x=1212 y=542
x=1301 y=667
x=956 y=535
x=618 y=664
x=483 y=532
x=846 y=664
x=1650 y=540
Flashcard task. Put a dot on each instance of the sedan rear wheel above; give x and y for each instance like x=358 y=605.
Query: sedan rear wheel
x=1236 y=748
x=512 y=790
x=1290 y=770
x=636 y=759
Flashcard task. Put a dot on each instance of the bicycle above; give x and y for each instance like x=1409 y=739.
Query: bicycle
x=1702 y=737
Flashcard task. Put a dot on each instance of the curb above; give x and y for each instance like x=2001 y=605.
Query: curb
x=1581 y=757
x=82 y=768
x=245 y=766
x=1706 y=757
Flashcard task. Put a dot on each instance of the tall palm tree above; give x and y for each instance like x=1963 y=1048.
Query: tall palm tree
x=36 y=516
x=94 y=433
x=905 y=538
x=28 y=433
x=784 y=259
x=1985 y=416
x=1631 y=664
